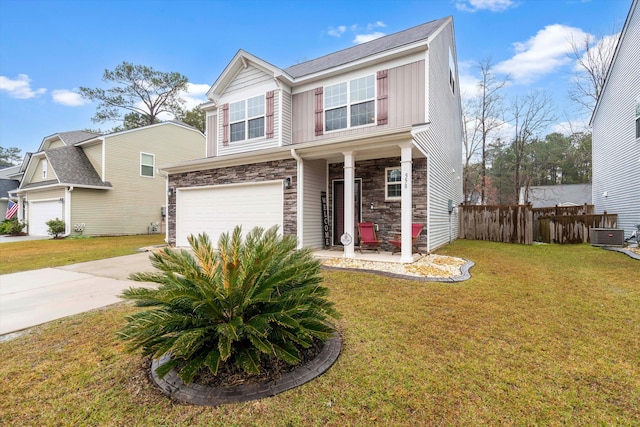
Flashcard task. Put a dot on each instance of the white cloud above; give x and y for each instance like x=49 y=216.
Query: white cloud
x=68 y=98
x=377 y=24
x=541 y=54
x=363 y=38
x=196 y=95
x=20 y=88
x=338 y=31
x=603 y=49
x=491 y=5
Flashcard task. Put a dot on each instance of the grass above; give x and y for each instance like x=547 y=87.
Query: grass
x=541 y=335
x=34 y=254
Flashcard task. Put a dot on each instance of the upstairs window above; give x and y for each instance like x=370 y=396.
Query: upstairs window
x=147 y=164
x=44 y=169
x=393 y=183
x=246 y=119
x=638 y=118
x=350 y=104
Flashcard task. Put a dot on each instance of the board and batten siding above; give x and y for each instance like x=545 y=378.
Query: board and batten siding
x=256 y=143
x=616 y=150
x=94 y=154
x=314 y=183
x=212 y=126
x=135 y=201
x=406 y=105
x=442 y=141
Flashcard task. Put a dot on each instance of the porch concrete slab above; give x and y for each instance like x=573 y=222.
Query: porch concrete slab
x=366 y=256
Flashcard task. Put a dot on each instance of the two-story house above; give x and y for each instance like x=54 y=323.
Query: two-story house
x=368 y=133
x=104 y=184
x=616 y=131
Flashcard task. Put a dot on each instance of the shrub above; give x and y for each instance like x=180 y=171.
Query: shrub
x=56 y=227
x=248 y=300
x=12 y=226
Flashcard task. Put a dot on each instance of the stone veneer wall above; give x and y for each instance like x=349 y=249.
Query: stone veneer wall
x=257 y=172
x=387 y=214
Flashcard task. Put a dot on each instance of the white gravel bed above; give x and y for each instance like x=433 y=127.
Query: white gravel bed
x=436 y=266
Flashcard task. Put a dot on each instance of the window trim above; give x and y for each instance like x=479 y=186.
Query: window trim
x=44 y=168
x=153 y=165
x=248 y=119
x=387 y=183
x=349 y=103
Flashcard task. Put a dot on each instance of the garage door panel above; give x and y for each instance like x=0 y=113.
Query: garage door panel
x=40 y=213
x=219 y=209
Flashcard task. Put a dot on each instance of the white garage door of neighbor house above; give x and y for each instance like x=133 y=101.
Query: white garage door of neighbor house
x=219 y=209
x=40 y=213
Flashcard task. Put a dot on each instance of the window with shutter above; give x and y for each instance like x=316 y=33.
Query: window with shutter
x=225 y=124
x=348 y=104
x=270 y=101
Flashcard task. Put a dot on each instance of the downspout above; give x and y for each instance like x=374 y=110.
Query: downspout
x=299 y=196
x=67 y=210
x=166 y=204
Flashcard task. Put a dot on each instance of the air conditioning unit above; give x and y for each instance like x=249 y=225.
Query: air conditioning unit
x=606 y=236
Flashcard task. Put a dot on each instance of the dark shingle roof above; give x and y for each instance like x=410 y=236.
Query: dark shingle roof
x=7 y=185
x=392 y=41
x=75 y=136
x=72 y=166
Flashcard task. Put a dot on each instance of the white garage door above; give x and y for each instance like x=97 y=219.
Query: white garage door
x=40 y=213
x=219 y=209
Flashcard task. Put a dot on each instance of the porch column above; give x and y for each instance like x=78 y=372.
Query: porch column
x=406 y=202
x=349 y=195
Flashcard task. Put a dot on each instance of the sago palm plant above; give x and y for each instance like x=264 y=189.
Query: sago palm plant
x=248 y=300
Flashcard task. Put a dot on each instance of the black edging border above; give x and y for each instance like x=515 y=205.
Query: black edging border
x=464 y=270
x=197 y=394
x=623 y=251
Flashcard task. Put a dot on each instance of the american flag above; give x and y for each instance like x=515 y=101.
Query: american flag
x=12 y=209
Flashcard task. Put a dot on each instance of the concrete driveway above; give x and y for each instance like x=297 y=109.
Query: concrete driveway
x=34 y=297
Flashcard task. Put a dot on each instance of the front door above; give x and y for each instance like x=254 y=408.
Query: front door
x=338 y=207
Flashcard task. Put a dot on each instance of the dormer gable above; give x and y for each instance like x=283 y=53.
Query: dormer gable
x=64 y=139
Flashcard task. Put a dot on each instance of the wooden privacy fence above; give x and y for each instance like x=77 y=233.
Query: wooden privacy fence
x=524 y=224
x=497 y=223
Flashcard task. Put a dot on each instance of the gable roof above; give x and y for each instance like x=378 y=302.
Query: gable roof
x=614 y=57
x=69 y=138
x=392 y=41
x=7 y=185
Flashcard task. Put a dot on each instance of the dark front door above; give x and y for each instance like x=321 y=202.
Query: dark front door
x=338 y=208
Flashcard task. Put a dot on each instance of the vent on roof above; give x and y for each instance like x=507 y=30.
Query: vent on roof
x=606 y=236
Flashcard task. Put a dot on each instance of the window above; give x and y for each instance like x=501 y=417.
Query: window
x=393 y=183
x=246 y=119
x=452 y=67
x=44 y=169
x=638 y=117
x=350 y=104
x=147 y=164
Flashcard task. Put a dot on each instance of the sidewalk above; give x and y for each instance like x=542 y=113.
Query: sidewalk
x=34 y=297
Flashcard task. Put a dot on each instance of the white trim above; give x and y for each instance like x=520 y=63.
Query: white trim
x=386 y=185
x=349 y=103
x=406 y=215
x=45 y=168
x=349 y=195
x=247 y=118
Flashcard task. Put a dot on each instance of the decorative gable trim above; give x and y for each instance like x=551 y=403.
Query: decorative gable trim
x=319 y=110
x=382 y=101
x=269 y=115
x=225 y=124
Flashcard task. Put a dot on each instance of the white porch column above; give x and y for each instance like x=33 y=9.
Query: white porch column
x=406 y=202
x=349 y=195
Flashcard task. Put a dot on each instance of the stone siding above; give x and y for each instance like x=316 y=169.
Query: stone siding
x=257 y=172
x=385 y=213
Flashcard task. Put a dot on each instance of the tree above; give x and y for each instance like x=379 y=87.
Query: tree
x=10 y=156
x=196 y=117
x=592 y=63
x=483 y=117
x=532 y=113
x=246 y=301
x=133 y=120
x=140 y=90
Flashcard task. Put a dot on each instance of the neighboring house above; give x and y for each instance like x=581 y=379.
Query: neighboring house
x=616 y=131
x=9 y=182
x=104 y=184
x=544 y=196
x=376 y=128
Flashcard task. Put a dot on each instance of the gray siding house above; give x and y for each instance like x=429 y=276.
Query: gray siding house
x=616 y=131
x=368 y=133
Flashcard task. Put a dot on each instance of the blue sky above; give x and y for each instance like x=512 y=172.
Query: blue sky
x=48 y=48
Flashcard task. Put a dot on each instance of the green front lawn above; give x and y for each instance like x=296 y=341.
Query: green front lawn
x=34 y=254
x=541 y=335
